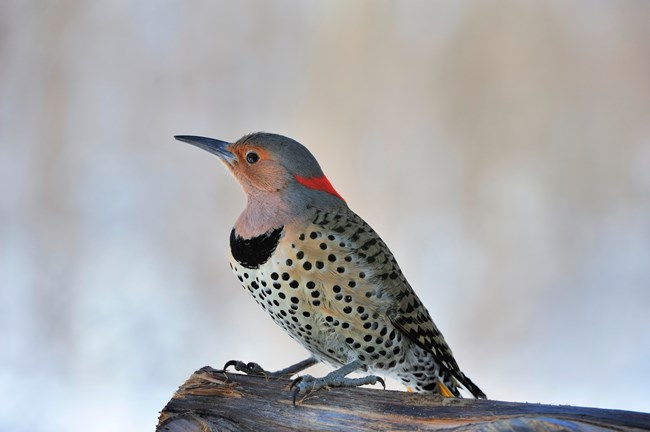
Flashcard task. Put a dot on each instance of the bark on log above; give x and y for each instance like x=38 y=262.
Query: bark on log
x=214 y=400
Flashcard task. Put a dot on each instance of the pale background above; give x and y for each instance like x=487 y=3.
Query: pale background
x=501 y=149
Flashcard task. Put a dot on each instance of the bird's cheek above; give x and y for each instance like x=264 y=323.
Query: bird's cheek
x=243 y=180
x=269 y=179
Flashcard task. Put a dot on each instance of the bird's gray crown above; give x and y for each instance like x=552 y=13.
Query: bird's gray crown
x=295 y=157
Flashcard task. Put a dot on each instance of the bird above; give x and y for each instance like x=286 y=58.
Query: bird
x=326 y=277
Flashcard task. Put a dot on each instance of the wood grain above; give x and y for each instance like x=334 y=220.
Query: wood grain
x=214 y=400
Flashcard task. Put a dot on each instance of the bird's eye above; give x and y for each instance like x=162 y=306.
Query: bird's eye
x=252 y=157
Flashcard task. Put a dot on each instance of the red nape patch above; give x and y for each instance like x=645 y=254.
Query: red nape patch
x=319 y=183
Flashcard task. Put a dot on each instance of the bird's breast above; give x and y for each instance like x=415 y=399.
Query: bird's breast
x=319 y=289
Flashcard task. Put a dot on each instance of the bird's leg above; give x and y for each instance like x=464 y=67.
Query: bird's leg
x=294 y=369
x=253 y=368
x=337 y=378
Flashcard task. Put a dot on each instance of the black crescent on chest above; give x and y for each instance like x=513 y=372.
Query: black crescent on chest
x=252 y=253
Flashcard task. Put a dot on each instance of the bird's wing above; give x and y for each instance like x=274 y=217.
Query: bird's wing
x=387 y=284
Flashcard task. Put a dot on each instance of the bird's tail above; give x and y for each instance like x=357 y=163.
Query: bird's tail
x=469 y=385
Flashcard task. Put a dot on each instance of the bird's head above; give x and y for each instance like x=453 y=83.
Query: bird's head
x=270 y=164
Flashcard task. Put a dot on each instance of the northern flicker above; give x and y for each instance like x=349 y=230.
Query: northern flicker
x=325 y=276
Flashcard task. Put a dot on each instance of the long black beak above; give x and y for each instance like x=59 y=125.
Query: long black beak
x=214 y=146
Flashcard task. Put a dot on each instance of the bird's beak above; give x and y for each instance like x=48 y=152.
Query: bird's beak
x=214 y=146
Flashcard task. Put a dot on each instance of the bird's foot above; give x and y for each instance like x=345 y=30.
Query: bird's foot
x=307 y=383
x=253 y=368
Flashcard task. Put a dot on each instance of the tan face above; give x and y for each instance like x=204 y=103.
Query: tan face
x=257 y=169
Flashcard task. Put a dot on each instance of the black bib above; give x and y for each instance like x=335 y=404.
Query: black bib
x=255 y=251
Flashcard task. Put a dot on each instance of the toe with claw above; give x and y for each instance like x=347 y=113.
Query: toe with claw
x=250 y=368
x=307 y=383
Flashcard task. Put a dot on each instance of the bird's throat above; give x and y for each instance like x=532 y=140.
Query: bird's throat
x=263 y=211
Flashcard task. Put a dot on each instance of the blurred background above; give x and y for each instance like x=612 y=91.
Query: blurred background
x=501 y=149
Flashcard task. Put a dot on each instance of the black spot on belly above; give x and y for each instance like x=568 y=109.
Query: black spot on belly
x=253 y=252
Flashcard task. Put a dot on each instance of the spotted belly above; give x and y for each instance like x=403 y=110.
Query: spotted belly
x=317 y=291
x=290 y=304
x=277 y=282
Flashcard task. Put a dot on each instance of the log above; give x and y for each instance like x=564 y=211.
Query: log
x=214 y=400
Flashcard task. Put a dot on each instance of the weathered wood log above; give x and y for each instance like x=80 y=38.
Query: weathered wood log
x=214 y=400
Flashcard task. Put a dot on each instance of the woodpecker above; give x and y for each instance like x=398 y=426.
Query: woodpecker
x=325 y=276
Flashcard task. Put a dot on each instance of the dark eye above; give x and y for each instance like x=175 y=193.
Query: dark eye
x=252 y=157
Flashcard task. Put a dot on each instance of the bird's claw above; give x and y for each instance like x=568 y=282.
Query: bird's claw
x=300 y=386
x=250 y=368
x=297 y=381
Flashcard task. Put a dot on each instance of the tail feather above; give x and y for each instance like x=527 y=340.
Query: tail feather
x=469 y=385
